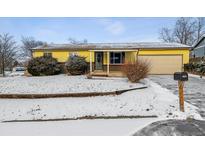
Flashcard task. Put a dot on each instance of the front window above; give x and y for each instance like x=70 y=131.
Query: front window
x=117 y=57
x=47 y=54
x=73 y=54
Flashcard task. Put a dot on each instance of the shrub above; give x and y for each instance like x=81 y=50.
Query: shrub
x=194 y=66
x=200 y=68
x=136 y=71
x=76 y=65
x=190 y=67
x=41 y=66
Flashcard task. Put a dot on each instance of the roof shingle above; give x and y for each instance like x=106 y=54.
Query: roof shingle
x=108 y=46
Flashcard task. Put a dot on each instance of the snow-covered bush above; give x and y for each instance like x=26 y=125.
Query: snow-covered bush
x=200 y=68
x=76 y=65
x=196 y=67
x=136 y=71
x=42 y=66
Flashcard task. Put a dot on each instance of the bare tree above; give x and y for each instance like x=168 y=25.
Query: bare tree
x=200 y=26
x=166 y=35
x=8 y=51
x=28 y=44
x=185 y=31
x=74 y=41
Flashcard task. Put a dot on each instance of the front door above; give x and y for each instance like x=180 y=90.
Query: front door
x=98 y=60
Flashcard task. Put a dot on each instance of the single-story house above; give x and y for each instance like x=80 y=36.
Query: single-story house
x=198 y=50
x=107 y=58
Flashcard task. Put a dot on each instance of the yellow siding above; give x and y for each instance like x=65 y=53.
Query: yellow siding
x=105 y=58
x=130 y=57
x=86 y=54
x=37 y=54
x=185 y=53
x=62 y=55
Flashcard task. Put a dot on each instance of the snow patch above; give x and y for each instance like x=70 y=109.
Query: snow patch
x=112 y=127
x=196 y=76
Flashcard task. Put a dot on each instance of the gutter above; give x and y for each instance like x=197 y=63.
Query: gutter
x=115 y=49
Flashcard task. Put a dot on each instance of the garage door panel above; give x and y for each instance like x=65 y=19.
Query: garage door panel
x=166 y=64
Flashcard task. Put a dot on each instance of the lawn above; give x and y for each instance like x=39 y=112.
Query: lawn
x=62 y=84
x=152 y=101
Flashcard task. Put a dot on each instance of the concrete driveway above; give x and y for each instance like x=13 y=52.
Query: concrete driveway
x=173 y=127
x=194 y=89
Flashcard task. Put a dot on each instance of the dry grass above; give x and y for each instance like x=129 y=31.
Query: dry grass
x=136 y=71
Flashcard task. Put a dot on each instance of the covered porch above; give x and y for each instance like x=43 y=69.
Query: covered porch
x=110 y=62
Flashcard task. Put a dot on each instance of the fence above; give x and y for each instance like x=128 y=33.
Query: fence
x=197 y=59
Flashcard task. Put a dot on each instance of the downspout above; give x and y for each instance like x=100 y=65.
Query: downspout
x=136 y=57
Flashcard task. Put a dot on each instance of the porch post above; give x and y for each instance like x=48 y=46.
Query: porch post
x=91 y=63
x=108 y=62
x=136 y=56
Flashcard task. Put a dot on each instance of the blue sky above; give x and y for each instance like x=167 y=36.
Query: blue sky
x=58 y=30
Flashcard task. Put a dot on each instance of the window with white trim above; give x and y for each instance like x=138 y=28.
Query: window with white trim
x=117 y=57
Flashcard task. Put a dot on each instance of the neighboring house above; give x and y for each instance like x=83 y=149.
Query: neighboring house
x=107 y=58
x=198 y=50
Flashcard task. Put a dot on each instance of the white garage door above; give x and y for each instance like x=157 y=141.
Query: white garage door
x=163 y=64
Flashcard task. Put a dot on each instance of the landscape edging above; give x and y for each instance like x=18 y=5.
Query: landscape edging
x=85 y=117
x=90 y=94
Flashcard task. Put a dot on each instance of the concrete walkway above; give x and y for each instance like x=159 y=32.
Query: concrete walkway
x=194 y=89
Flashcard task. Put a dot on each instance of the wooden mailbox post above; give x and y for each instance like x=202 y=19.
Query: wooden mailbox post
x=181 y=77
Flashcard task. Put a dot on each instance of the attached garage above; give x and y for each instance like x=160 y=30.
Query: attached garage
x=163 y=64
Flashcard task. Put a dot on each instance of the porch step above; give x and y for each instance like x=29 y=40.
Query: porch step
x=111 y=74
x=103 y=75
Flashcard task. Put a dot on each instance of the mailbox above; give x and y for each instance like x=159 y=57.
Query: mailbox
x=181 y=76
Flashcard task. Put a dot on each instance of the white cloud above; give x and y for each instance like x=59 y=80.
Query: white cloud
x=114 y=27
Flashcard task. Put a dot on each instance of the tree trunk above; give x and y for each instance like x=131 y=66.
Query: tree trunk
x=3 y=65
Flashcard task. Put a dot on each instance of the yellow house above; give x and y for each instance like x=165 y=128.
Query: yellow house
x=107 y=58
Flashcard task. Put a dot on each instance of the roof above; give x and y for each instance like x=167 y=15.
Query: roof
x=114 y=46
x=199 y=41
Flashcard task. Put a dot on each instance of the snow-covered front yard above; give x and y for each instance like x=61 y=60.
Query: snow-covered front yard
x=152 y=101
x=62 y=84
